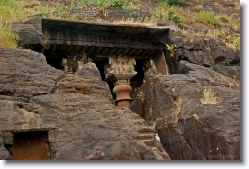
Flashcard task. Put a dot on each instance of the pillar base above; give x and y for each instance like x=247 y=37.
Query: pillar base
x=124 y=103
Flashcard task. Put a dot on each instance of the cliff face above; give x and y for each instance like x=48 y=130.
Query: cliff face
x=75 y=111
x=197 y=108
x=190 y=127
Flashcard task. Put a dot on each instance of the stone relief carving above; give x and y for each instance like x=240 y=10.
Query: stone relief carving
x=149 y=69
x=121 y=65
x=74 y=62
x=64 y=64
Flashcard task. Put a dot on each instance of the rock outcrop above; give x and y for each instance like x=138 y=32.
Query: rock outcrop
x=76 y=112
x=29 y=36
x=190 y=128
x=203 y=51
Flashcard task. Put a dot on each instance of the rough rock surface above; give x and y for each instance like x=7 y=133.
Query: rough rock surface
x=230 y=71
x=206 y=52
x=77 y=111
x=188 y=128
x=29 y=36
x=90 y=71
x=24 y=73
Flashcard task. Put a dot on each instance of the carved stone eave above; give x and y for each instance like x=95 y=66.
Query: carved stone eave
x=103 y=34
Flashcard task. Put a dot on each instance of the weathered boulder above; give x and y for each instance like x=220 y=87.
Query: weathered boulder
x=25 y=73
x=29 y=36
x=201 y=51
x=76 y=111
x=190 y=126
x=222 y=55
x=230 y=71
x=90 y=71
x=206 y=76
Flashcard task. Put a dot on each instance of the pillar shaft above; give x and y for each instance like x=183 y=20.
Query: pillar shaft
x=122 y=92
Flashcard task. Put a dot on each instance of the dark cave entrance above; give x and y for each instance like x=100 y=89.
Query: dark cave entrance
x=55 y=62
x=30 y=146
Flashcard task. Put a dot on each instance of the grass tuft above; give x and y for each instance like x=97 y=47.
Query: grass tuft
x=207 y=18
x=209 y=97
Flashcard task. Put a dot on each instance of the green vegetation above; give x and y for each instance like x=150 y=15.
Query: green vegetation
x=116 y=3
x=14 y=11
x=232 y=39
x=141 y=96
x=7 y=37
x=207 y=18
x=178 y=20
x=209 y=97
x=164 y=12
x=198 y=8
x=173 y=2
x=123 y=4
x=171 y=49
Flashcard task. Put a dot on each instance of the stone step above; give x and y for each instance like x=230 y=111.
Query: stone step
x=160 y=154
x=143 y=137
x=146 y=129
x=150 y=143
x=139 y=122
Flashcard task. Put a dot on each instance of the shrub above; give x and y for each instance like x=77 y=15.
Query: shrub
x=141 y=96
x=232 y=39
x=209 y=97
x=178 y=20
x=8 y=38
x=133 y=5
x=207 y=18
x=198 y=8
x=100 y=3
x=116 y=3
x=174 y=2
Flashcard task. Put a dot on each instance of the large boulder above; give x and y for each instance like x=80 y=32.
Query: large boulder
x=74 y=114
x=202 y=51
x=197 y=114
x=29 y=36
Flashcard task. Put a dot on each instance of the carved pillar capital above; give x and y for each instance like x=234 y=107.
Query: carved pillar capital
x=120 y=67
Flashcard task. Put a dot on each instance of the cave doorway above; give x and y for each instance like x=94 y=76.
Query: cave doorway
x=31 y=146
x=55 y=62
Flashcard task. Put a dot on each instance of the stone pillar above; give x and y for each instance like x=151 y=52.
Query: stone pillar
x=119 y=71
x=122 y=91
